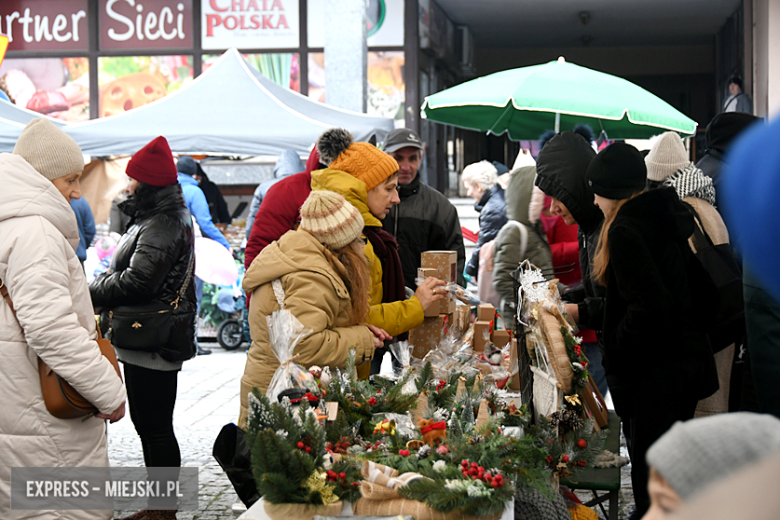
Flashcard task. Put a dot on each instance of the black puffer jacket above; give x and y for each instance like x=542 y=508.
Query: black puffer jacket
x=492 y=217
x=560 y=173
x=150 y=264
x=424 y=221
x=660 y=304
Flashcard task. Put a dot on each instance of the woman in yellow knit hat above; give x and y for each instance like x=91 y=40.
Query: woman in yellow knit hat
x=321 y=277
x=368 y=178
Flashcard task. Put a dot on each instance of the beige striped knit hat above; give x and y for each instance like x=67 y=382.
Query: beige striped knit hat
x=49 y=150
x=329 y=218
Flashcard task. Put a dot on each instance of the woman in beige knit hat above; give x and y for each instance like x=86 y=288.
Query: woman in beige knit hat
x=325 y=280
x=53 y=317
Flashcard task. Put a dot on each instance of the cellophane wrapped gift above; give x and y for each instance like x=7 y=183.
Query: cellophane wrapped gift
x=285 y=331
x=402 y=352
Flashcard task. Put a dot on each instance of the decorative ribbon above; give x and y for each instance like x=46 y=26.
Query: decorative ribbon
x=439 y=425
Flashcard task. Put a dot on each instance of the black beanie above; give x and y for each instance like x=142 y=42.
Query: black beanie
x=617 y=172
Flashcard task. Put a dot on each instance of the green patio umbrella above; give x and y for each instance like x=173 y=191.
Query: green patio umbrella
x=528 y=101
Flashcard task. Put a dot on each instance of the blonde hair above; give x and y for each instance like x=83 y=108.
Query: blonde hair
x=352 y=266
x=481 y=173
x=601 y=258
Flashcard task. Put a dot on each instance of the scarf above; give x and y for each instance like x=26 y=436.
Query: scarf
x=386 y=249
x=691 y=182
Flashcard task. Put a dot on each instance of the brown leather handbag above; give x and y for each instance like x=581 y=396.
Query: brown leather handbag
x=60 y=398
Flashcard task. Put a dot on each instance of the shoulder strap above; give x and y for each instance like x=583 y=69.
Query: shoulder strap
x=278 y=292
x=4 y=292
x=699 y=232
x=523 y=236
x=186 y=283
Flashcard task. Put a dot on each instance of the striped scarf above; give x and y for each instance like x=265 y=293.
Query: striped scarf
x=691 y=182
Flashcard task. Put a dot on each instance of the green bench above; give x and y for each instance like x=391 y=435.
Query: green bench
x=602 y=479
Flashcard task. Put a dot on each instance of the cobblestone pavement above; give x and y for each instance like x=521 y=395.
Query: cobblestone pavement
x=207 y=400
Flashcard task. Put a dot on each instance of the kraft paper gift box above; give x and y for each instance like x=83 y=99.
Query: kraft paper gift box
x=485 y=312
x=500 y=338
x=445 y=306
x=481 y=335
x=445 y=263
x=429 y=334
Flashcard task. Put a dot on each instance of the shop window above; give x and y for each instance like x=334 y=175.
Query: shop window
x=57 y=87
x=128 y=82
x=281 y=68
x=386 y=87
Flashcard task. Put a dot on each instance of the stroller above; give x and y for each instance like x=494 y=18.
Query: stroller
x=230 y=333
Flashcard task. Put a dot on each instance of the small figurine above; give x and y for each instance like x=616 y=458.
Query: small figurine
x=433 y=432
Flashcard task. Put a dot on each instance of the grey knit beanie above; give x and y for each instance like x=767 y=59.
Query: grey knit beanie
x=696 y=453
x=667 y=156
x=49 y=150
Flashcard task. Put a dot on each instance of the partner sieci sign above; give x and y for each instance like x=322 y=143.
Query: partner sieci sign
x=145 y=24
x=41 y=25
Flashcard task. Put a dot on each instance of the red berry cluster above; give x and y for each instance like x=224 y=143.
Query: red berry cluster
x=442 y=383
x=404 y=453
x=578 y=350
x=372 y=401
x=339 y=477
x=580 y=463
x=474 y=471
x=304 y=445
x=340 y=447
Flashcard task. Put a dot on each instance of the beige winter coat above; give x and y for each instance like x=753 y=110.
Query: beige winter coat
x=38 y=264
x=315 y=294
x=716 y=229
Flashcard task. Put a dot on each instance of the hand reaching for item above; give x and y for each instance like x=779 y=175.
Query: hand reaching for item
x=428 y=292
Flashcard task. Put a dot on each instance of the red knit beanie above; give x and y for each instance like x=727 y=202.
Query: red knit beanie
x=153 y=164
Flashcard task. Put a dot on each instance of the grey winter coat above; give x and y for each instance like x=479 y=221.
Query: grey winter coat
x=288 y=164
x=508 y=250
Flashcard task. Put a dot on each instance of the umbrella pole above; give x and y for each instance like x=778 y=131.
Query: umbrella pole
x=557 y=122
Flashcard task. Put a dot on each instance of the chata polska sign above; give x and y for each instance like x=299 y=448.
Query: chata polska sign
x=250 y=24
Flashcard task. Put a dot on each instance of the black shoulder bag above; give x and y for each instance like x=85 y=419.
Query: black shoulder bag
x=149 y=327
x=723 y=268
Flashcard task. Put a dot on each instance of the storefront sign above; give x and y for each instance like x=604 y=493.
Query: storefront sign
x=145 y=24
x=250 y=24
x=385 y=25
x=43 y=25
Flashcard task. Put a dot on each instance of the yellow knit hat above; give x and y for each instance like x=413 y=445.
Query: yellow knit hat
x=366 y=162
x=329 y=218
x=49 y=150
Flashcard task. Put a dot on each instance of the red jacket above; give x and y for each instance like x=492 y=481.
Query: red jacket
x=565 y=250
x=280 y=210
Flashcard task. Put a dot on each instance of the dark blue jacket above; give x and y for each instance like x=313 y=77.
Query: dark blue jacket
x=492 y=217
x=86 y=224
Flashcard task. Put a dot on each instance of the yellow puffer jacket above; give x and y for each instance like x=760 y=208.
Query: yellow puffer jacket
x=316 y=295
x=396 y=317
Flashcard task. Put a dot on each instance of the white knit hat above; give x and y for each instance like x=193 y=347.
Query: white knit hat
x=482 y=173
x=696 y=453
x=329 y=218
x=49 y=150
x=667 y=156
